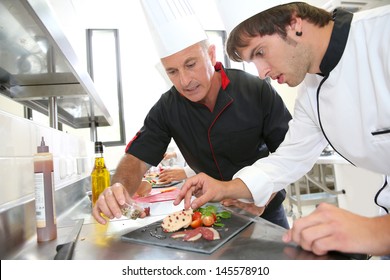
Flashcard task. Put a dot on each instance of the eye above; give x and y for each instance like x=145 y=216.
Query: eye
x=260 y=52
x=171 y=72
x=191 y=64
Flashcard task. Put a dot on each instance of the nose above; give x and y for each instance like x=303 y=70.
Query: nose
x=185 y=78
x=262 y=69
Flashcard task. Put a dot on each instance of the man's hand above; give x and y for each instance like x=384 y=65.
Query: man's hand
x=330 y=228
x=208 y=189
x=249 y=207
x=110 y=203
x=171 y=174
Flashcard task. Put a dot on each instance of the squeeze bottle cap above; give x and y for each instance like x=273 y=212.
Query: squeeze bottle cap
x=43 y=148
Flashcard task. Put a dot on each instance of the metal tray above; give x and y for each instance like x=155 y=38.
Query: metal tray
x=153 y=235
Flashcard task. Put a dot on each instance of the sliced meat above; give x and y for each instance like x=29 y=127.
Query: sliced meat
x=179 y=234
x=193 y=235
x=209 y=233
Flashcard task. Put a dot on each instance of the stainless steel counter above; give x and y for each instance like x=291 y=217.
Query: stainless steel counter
x=260 y=240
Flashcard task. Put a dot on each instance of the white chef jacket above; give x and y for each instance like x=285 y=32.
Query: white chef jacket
x=347 y=106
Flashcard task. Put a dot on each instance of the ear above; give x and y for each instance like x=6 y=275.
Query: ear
x=296 y=24
x=212 y=54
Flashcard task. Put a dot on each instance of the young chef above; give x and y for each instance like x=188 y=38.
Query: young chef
x=220 y=119
x=342 y=60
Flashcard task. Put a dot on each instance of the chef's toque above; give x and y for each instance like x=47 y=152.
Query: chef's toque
x=173 y=25
x=233 y=12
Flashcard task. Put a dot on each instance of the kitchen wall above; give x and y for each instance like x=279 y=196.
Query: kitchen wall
x=72 y=157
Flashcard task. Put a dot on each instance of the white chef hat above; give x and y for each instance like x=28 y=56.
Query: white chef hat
x=173 y=24
x=234 y=12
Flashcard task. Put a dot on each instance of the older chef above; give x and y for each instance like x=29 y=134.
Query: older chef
x=221 y=119
x=342 y=61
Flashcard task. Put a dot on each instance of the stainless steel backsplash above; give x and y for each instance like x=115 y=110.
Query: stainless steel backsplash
x=17 y=221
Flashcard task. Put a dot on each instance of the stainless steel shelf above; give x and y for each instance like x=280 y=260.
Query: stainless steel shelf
x=37 y=64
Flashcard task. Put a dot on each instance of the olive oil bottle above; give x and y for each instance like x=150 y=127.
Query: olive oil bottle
x=100 y=176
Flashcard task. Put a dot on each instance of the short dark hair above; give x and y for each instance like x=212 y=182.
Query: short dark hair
x=271 y=21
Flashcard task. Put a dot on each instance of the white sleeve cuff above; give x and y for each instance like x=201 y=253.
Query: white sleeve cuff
x=258 y=184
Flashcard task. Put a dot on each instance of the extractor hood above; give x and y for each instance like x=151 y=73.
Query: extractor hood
x=37 y=64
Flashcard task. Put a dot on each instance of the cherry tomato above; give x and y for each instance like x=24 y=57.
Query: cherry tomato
x=208 y=221
x=196 y=216
x=196 y=223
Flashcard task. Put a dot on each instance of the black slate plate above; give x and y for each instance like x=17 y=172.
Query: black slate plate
x=153 y=235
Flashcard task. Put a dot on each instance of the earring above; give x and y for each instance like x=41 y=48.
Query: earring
x=298 y=33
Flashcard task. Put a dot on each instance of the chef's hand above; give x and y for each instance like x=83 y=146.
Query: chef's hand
x=249 y=207
x=208 y=189
x=110 y=203
x=202 y=186
x=330 y=228
x=172 y=174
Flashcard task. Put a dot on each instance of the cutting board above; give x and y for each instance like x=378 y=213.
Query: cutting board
x=153 y=235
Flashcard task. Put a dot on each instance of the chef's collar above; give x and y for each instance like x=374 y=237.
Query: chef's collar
x=338 y=40
x=224 y=78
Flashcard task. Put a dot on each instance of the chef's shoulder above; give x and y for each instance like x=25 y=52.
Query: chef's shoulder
x=245 y=82
x=240 y=77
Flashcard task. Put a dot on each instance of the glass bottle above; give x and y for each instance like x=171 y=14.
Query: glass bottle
x=100 y=176
x=44 y=194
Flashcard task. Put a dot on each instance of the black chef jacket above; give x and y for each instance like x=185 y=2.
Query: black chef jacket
x=249 y=121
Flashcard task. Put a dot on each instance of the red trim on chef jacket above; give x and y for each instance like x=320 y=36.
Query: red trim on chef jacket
x=224 y=83
x=225 y=79
x=132 y=140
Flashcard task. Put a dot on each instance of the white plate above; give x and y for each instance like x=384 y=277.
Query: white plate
x=159 y=185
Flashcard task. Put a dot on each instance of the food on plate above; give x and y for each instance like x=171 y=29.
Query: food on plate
x=151 y=181
x=151 y=176
x=207 y=233
x=208 y=221
x=196 y=220
x=144 y=188
x=201 y=223
x=196 y=223
x=177 y=220
x=210 y=233
x=209 y=216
